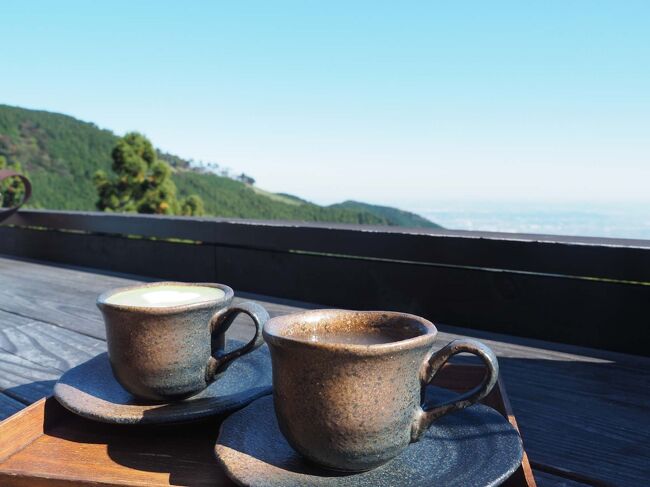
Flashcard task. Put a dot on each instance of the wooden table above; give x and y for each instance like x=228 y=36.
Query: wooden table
x=584 y=413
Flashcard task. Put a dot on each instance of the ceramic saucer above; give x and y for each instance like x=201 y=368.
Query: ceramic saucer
x=475 y=446
x=90 y=390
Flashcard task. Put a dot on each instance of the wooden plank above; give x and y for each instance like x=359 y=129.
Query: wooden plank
x=25 y=381
x=560 y=309
x=180 y=261
x=513 y=252
x=622 y=259
x=33 y=355
x=50 y=446
x=44 y=344
x=52 y=295
x=197 y=228
x=565 y=310
x=23 y=428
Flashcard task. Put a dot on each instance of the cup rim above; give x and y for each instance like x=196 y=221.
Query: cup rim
x=164 y=310
x=272 y=333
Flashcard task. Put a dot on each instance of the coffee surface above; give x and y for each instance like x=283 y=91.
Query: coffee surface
x=165 y=296
x=365 y=336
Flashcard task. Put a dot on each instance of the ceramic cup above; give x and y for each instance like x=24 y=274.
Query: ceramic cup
x=168 y=353
x=353 y=406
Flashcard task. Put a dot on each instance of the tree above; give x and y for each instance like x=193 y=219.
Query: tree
x=12 y=190
x=142 y=184
x=192 y=206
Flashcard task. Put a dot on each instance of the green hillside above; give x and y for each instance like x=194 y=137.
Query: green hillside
x=230 y=198
x=396 y=216
x=61 y=154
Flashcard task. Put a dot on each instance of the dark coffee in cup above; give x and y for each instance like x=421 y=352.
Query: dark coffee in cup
x=371 y=336
x=348 y=384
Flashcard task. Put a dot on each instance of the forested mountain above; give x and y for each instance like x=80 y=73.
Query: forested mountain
x=61 y=154
x=396 y=216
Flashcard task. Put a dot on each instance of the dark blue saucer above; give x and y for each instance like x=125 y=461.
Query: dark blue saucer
x=475 y=446
x=90 y=390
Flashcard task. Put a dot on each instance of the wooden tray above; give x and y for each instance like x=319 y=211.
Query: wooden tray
x=45 y=445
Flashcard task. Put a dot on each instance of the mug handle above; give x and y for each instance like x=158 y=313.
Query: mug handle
x=429 y=413
x=220 y=323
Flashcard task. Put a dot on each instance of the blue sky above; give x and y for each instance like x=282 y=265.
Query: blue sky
x=390 y=102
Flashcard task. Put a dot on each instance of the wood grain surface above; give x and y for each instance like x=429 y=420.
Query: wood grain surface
x=581 y=410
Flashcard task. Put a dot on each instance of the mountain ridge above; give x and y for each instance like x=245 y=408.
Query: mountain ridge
x=61 y=155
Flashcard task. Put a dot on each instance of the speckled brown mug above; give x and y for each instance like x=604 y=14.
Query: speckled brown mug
x=348 y=385
x=167 y=353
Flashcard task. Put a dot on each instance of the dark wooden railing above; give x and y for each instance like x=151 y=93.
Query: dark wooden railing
x=579 y=290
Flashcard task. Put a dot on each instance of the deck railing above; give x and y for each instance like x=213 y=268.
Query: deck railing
x=578 y=290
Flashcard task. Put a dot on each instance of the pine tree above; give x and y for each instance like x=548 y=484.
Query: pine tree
x=142 y=183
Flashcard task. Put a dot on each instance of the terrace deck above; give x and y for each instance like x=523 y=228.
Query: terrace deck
x=584 y=413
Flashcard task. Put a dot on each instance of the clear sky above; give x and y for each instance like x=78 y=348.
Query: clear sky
x=390 y=102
